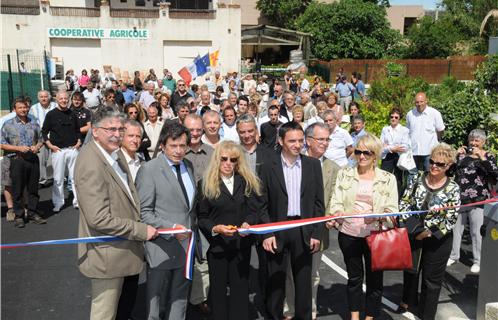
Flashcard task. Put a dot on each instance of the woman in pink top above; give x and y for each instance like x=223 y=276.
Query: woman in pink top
x=362 y=189
x=83 y=80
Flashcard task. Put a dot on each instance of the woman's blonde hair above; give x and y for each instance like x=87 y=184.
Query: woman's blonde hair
x=212 y=178
x=444 y=151
x=372 y=143
x=298 y=108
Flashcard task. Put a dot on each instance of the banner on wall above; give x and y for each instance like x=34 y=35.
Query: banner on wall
x=99 y=33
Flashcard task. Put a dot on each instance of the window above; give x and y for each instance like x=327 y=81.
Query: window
x=190 y=4
x=140 y=3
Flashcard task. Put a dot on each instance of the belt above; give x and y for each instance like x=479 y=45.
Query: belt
x=293 y=217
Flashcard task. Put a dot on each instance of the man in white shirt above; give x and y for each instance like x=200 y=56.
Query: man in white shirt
x=153 y=127
x=228 y=127
x=341 y=143
x=39 y=111
x=93 y=99
x=426 y=128
x=147 y=96
x=211 y=121
x=249 y=83
x=130 y=144
x=305 y=84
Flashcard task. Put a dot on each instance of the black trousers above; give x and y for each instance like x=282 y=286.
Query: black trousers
x=435 y=254
x=127 y=298
x=229 y=269
x=389 y=164
x=422 y=162
x=293 y=247
x=355 y=250
x=25 y=175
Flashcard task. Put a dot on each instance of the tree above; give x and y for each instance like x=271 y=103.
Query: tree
x=354 y=29
x=432 y=38
x=282 y=13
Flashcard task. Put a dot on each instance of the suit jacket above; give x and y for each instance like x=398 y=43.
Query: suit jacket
x=106 y=208
x=227 y=209
x=275 y=201
x=163 y=205
x=329 y=173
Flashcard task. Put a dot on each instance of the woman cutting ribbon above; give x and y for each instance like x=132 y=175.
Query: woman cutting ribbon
x=228 y=199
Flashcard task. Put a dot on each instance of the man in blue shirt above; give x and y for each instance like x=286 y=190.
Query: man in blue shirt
x=345 y=91
x=128 y=94
x=359 y=93
x=21 y=140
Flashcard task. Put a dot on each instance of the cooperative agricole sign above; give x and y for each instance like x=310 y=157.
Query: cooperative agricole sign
x=98 y=33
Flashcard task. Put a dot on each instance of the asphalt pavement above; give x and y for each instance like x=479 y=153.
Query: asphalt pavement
x=44 y=282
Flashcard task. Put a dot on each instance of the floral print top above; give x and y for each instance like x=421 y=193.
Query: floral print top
x=419 y=196
x=474 y=176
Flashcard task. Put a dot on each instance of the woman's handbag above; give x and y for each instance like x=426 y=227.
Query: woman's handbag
x=406 y=161
x=390 y=249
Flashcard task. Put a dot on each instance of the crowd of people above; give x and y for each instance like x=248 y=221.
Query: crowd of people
x=231 y=153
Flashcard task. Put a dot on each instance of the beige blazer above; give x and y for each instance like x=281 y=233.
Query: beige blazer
x=329 y=173
x=106 y=208
x=385 y=192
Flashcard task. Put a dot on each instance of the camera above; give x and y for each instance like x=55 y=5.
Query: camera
x=469 y=150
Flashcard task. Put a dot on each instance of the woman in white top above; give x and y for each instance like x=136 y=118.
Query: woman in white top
x=396 y=140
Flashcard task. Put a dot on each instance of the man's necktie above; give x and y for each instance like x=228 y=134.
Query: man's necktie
x=180 y=181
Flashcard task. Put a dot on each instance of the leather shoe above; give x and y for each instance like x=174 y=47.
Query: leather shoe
x=37 y=219
x=19 y=223
x=203 y=308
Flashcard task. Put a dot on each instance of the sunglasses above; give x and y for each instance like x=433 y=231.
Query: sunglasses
x=366 y=153
x=394 y=117
x=437 y=164
x=132 y=112
x=232 y=160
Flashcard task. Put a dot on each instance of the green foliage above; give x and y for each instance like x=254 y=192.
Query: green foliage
x=282 y=13
x=397 y=91
x=354 y=29
x=431 y=39
x=395 y=69
x=376 y=116
x=487 y=74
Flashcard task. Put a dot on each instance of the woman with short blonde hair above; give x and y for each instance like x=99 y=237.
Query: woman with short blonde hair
x=228 y=199
x=362 y=189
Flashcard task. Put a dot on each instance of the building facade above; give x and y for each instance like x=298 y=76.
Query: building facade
x=81 y=35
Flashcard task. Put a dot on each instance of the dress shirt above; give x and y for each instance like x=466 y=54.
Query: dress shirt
x=344 y=89
x=133 y=163
x=423 y=128
x=16 y=133
x=305 y=85
x=128 y=95
x=292 y=176
x=339 y=141
x=355 y=136
x=189 y=186
x=251 y=158
x=390 y=137
x=146 y=99
x=112 y=159
x=39 y=112
x=228 y=183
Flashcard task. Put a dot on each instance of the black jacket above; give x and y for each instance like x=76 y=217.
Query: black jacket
x=227 y=209
x=275 y=201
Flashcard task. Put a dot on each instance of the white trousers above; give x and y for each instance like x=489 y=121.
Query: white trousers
x=65 y=158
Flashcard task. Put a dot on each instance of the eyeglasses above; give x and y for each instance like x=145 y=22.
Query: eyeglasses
x=366 y=153
x=437 y=164
x=133 y=112
x=321 y=140
x=232 y=160
x=394 y=117
x=113 y=129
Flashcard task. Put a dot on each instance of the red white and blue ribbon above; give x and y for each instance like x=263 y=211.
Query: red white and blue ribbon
x=255 y=229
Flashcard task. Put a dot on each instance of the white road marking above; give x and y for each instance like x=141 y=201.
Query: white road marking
x=343 y=273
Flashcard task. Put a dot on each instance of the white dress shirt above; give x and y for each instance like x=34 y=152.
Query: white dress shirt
x=424 y=127
x=228 y=183
x=153 y=131
x=133 y=163
x=40 y=112
x=112 y=159
x=340 y=139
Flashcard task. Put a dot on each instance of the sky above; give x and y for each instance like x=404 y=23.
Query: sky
x=428 y=4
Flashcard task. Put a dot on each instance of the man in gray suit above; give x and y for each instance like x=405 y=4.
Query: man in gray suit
x=166 y=188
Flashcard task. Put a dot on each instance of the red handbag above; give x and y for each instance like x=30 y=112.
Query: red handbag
x=390 y=249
